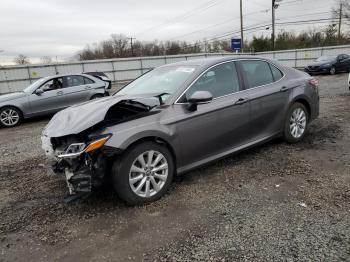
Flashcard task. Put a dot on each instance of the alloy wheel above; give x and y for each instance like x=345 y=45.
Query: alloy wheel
x=148 y=173
x=297 y=122
x=9 y=117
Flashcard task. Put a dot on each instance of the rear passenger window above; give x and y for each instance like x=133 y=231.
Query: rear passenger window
x=74 y=81
x=220 y=80
x=257 y=73
x=277 y=74
x=88 y=81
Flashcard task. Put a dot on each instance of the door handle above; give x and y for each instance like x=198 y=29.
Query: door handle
x=88 y=87
x=284 y=89
x=241 y=101
x=60 y=93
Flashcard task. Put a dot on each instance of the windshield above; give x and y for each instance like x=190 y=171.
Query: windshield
x=325 y=58
x=161 y=80
x=30 y=88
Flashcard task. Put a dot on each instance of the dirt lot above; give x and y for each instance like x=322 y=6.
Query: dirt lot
x=277 y=202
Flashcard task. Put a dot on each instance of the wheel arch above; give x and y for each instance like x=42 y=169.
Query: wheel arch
x=304 y=101
x=13 y=106
x=156 y=139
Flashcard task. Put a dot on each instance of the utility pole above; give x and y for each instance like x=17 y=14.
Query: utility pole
x=132 y=47
x=273 y=26
x=273 y=11
x=242 y=40
x=340 y=18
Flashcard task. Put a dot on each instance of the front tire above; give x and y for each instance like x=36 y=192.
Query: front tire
x=332 y=71
x=10 y=116
x=143 y=173
x=296 y=123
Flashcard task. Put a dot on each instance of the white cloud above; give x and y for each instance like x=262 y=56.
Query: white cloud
x=63 y=27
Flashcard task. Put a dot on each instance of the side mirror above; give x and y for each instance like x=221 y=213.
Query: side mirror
x=39 y=91
x=199 y=97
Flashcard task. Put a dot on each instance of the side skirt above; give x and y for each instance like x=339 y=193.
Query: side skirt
x=216 y=157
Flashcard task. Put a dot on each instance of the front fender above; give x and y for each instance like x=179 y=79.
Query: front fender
x=123 y=139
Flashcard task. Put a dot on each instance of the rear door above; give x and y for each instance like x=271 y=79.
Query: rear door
x=77 y=89
x=269 y=97
x=219 y=126
x=51 y=100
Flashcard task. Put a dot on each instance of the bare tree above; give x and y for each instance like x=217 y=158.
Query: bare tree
x=46 y=60
x=21 y=60
x=120 y=45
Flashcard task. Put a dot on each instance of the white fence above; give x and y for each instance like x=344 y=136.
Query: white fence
x=15 y=78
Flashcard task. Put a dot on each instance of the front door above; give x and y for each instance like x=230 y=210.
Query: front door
x=50 y=100
x=218 y=127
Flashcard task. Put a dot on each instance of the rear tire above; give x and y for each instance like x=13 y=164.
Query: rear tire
x=332 y=71
x=296 y=123
x=136 y=183
x=10 y=116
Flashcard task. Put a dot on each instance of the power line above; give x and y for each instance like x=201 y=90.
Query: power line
x=224 y=22
x=194 y=11
x=255 y=28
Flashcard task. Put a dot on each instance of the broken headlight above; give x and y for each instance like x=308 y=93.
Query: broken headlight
x=76 y=149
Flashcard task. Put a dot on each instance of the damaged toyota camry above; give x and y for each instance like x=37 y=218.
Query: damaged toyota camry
x=175 y=118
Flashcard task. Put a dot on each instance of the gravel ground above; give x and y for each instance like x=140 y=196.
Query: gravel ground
x=276 y=202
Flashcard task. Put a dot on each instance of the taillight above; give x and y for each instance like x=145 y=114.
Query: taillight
x=313 y=82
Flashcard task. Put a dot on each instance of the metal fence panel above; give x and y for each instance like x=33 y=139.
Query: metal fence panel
x=175 y=59
x=70 y=69
x=127 y=75
x=93 y=67
x=39 y=72
x=13 y=86
x=151 y=63
x=126 y=65
x=18 y=77
x=15 y=73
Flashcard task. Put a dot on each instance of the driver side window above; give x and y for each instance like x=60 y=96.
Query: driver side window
x=53 y=84
x=220 y=80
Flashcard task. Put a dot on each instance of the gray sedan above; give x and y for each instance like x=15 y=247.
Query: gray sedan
x=176 y=118
x=49 y=95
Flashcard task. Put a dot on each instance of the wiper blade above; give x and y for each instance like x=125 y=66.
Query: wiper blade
x=161 y=102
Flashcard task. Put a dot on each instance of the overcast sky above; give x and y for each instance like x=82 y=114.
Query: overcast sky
x=63 y=27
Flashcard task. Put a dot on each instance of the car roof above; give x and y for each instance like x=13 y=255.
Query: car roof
x=210 y=61
x=62 y=75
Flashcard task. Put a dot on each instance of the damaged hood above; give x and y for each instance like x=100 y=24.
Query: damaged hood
x=76 y=119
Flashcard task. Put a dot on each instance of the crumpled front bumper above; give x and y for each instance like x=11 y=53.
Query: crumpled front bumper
x=83 y=173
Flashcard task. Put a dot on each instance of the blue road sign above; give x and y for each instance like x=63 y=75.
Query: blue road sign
x=236 y=44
